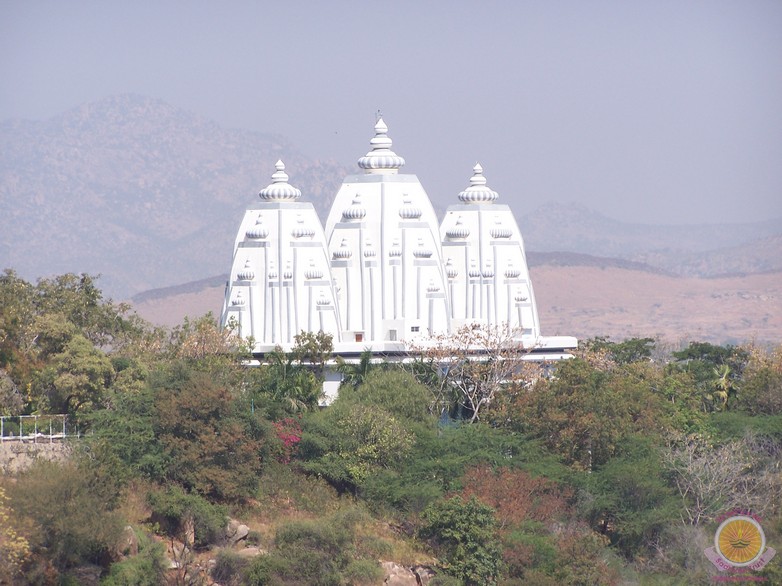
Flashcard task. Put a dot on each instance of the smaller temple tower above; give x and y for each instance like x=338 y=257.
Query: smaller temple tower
x=280 y=281
x=488 y=279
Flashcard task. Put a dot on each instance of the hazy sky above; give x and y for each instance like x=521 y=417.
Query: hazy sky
x=658 y=111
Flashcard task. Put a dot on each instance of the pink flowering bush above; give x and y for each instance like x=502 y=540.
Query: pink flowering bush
x=288 y=431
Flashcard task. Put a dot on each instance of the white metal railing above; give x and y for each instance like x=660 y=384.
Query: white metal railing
x=35 y=428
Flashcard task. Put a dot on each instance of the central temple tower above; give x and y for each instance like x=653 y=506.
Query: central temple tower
x=385 y=254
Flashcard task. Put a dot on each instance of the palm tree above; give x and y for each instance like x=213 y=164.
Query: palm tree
x=723 y=385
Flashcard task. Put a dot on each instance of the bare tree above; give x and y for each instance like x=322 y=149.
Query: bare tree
x=739 y=474
x=471 y=366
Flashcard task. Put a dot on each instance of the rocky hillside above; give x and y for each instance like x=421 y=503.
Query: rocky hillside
x=137 y=190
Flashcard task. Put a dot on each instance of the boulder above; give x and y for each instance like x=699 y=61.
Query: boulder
x=396 y=575
x=250 y=552
x=236 y=531
x=128 y=543
x=424 y=574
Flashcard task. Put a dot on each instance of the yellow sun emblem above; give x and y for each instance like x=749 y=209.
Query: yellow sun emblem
x=740 y=540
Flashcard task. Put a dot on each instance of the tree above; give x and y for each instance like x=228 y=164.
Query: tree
x=515 y=495
x=313 y=349
x=474 y=364
x=585 y=414
x=715 y=370
x=11 y=400
x=76 y=380
x=632 y=510
x=737 y=474
x=348 y=442
x=209 y=445
x=354 y=374
x=287 y=383
x=394 y=390
x=761 y=385
x=626 y=352
x=464 y=535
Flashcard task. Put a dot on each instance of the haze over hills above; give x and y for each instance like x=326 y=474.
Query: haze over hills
x=150 y=196
x=139 y=191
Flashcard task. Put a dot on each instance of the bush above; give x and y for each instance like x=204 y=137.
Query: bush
x=318 y=552
x=254 y=538
x=463 y=533
x=70 y=513
x=229 y=568
x=359 y=572
x=173 y=508
x=144 y=569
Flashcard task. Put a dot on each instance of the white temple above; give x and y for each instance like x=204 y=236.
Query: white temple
x=383 y=274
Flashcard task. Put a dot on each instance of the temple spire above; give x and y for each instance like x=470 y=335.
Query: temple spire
x=381 y=159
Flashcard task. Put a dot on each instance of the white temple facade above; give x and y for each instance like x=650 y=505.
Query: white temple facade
x=383 y=274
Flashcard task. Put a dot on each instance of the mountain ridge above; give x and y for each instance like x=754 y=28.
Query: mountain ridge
x=149 y=195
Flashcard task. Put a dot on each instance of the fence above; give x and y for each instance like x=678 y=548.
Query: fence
x=36 y=428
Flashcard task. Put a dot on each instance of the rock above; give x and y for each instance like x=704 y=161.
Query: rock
x=424 y=574
x=250 y=552
x=128 y=544
x=236 y=531
x=396 y=575
x=241 y=533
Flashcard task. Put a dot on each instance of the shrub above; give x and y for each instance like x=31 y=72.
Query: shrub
x=318 y=552
x=70 y=513
x=254 y=538
x=172 y=508
x=229 y=568
x=464 y=535
x=360 y=572
x=144 y=569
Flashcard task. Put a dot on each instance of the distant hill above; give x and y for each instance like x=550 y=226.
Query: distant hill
x=149 y=195
x=135 y=189
x=705 y=250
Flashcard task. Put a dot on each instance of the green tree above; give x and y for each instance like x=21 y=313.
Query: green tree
x=349 y=442
x=633 y=510
x=761 y=385
x=625 y=352
x=289 y=386
x=394 y=390
x=716 y=371
x=354 y=374
x=464 y=536
x=211 y=444
x=314 y=349
x=76 y=379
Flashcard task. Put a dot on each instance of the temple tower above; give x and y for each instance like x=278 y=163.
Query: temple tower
x=384 y=248
x=485 y=264
x=280 y=282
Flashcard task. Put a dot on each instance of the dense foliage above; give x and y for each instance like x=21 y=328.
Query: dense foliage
x=612 y=467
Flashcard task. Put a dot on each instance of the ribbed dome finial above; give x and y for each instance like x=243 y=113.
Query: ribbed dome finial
x=279 y=189
x=477 y=192
x=381 y=159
